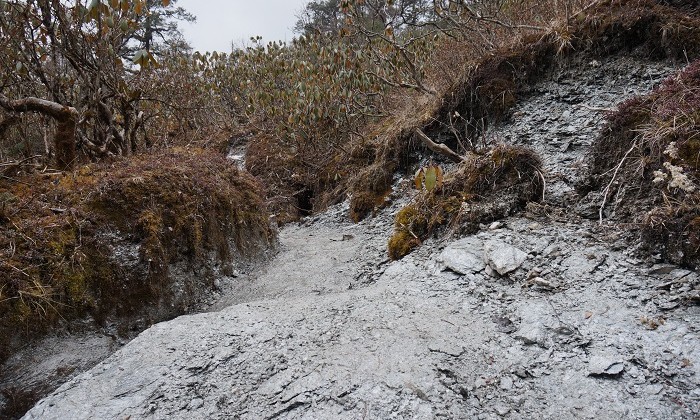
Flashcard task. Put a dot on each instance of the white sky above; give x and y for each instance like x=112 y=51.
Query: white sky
x=220 y=22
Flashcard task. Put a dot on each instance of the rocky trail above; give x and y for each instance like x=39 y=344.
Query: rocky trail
x=546 y=314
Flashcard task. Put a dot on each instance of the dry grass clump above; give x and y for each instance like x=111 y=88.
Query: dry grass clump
x=491 y=87
x=653 y=29
x=649 y=160
x=491 y=84
x=484 y=188
x=99 y=241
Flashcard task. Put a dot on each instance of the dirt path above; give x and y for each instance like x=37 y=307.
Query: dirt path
x=576 y=327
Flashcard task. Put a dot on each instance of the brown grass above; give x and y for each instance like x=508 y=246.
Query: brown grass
x=479 y=91
x=483 y=189
x=649 y=159
x=60 y=235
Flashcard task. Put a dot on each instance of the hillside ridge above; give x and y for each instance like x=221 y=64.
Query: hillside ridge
x=546 y=313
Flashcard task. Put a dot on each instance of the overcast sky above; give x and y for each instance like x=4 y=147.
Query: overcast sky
x=219 y=22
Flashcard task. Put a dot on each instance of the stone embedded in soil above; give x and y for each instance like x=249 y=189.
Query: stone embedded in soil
x=506 y=383
x=463 y=257
x=605 y=365
x=532 y=334
x=502 y=257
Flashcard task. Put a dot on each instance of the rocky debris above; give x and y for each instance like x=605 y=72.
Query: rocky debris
x=503 y=258
x=580 y=328
x=421 y=341
x=461 y=258
x=561 y=117
x=472 y=255
x=605 y=365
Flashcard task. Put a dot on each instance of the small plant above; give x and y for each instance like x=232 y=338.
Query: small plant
x=482 y=189
x=429 y=177
x=674 y=176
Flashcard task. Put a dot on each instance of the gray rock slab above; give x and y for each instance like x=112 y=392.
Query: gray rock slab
x=607 y=364
x=502 y=257
x=464 y=256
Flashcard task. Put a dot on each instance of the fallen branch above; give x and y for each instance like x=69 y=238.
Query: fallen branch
x=18 y=163
x=585 y=9
x=439 y=148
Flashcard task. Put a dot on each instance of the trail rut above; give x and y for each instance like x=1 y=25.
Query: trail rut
x=582 y=328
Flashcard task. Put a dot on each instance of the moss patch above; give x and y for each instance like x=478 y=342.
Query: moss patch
x=485 y=188
x=59 y=235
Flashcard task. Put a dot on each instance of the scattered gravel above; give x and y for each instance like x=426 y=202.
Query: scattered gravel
x=544 y=315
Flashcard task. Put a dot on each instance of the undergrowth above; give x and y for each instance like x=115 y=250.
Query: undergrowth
x=66 y=239
x=484 y=188
x=490 y=85
x=649 y=159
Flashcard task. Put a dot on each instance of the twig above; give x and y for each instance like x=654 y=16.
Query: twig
x=20 y=162
x=607 y=189
x=19 y=270
x=585 y=9
x=410 y=231
x=439 y=148
x=544 y=184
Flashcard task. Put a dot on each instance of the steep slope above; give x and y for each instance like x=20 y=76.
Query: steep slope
x=574 y=326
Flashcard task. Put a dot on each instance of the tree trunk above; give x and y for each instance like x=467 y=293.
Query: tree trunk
x=7 y=123
x=66 y=124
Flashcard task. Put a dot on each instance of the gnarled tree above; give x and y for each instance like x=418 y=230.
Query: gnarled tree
x=72 y=62
x=66 y=122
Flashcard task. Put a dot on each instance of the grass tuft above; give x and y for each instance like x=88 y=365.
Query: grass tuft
x=485 y=188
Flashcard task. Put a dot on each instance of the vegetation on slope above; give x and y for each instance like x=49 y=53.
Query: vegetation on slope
x=100 y=241
x=649 y=159
x=331 y=115
x=492 y=85
x=483 y=188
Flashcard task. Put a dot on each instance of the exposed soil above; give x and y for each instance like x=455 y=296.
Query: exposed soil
x=542 y=315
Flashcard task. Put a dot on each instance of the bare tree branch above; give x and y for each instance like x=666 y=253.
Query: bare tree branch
x=439 y=148
x=66 y=119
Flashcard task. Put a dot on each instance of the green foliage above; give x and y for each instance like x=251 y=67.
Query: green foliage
x=293 y=88
x=304 y=102
x=428 y=177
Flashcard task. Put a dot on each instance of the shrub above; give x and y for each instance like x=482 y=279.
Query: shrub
x=486 y=187
x=649 y=158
